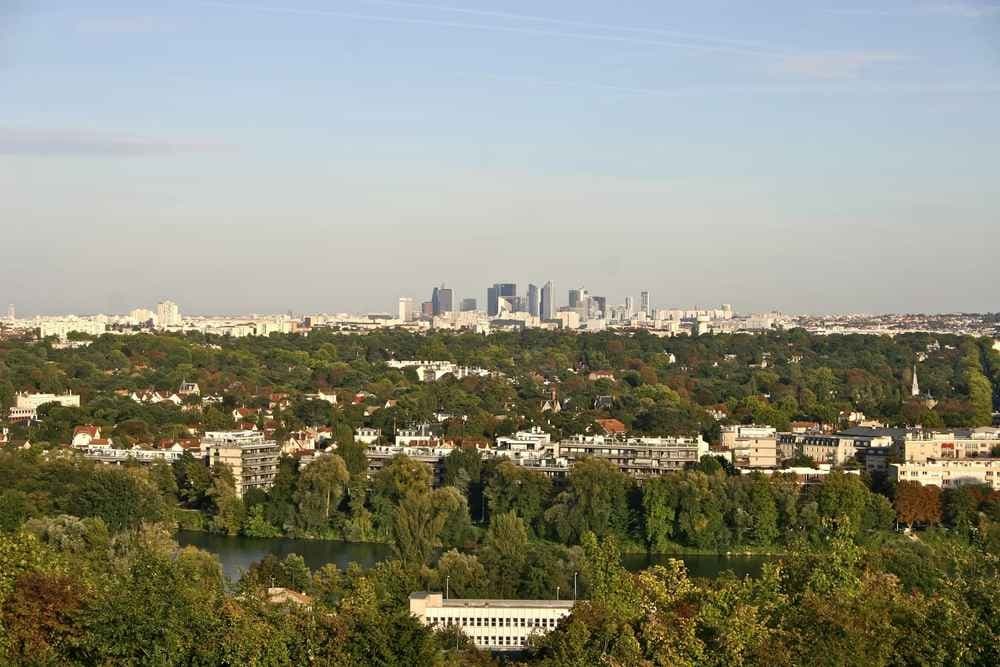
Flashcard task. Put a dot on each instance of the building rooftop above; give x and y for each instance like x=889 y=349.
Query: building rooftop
x=501 y=604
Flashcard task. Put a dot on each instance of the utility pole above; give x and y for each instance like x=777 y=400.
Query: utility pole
x=574 y=585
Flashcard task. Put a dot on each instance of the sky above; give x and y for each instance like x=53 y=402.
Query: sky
x=235 y=157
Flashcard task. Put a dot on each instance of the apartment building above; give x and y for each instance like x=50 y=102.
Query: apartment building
x=833 y=449
x=638 y=457
x=253 y=460
x=26 y=405
x=494 y=625
x=752 y=446
x=920 y=445
x=367 y=435
x=949 y=473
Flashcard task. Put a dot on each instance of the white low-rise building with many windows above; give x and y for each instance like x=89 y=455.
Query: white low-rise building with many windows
x=496 y=625
x=950 y=473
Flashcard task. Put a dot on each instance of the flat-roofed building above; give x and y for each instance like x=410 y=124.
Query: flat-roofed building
x=832 y=449
x=253 y=460
x=367 y=436
x=752 y=446
x=949 y=473
x=495 y=625
x=921 y=445
x=638 y=457
x=26 y=405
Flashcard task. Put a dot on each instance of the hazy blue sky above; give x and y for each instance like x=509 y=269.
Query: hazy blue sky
x=319 y=156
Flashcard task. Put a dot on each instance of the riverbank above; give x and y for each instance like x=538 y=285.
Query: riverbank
x=237 y=553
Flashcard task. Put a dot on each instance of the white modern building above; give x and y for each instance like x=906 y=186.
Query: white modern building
x=949 y=473
x=26 y=405
x=495 y=625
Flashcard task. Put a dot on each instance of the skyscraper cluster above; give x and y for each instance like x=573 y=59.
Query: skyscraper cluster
x=503 y=302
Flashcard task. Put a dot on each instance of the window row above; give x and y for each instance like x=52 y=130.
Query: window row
x=493 y=622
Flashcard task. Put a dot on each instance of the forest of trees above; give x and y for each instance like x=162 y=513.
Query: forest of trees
x=90 y=573
x=78 y=592
x=769 y=378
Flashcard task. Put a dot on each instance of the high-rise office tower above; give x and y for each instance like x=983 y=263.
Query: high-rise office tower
x=405 y=309
x=578 y=298
x=469 y=305
x=442 y=300
x=11 y=313
x=506 y=291
x=644 y=305
x=427 y=309
x=629 y=307
x=546 y=309
x=599 y=304
x=533 y=300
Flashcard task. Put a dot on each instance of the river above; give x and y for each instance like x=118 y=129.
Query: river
x=237 y=554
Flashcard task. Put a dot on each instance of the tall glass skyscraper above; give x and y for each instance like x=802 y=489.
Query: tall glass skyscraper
x=546 y=309
x=533 y=300
x=442 y=300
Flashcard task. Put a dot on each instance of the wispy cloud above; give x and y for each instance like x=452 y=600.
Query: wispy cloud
x=690 y=44
x=54 y=142
x=971 y=10
x=122 y=25
x=834 y=65
x=791 y=89
x=534 y=18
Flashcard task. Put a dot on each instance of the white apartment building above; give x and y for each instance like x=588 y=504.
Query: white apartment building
x=919 y=446
x=253 y=460
x=406 y=310
x=638 y=457
x=432 y=371
x=949 y=473
x=26 y=405
x=752 y=446
x=168 y=314
x=495 y=625
x=61 y=327
x=367 y=436
x=533 y=440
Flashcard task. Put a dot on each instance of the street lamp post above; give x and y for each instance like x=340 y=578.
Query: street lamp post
x=447 y=587
x=574 y=585
x=557 y=592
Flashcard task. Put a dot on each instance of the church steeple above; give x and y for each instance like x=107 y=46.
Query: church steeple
x=915 y=391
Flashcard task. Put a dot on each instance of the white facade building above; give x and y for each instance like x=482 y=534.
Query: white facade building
x=26 y=405
x=949 y=473
x=167 y=315
x=496 y=625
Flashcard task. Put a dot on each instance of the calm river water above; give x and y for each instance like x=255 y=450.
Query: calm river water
x=237 y=554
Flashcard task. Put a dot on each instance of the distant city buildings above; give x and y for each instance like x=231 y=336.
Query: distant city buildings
x=644 y=304
x=469 y=305
x=405 y=311
x=546 y=308
x=533 y=304
x=498 y=295
x=168 y=314
x=442 y=301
